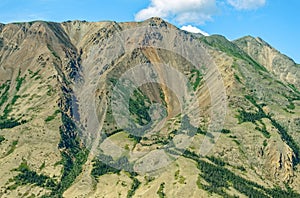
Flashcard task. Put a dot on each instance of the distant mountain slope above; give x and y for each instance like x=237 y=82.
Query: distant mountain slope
x=281 y=65
x=106 y=109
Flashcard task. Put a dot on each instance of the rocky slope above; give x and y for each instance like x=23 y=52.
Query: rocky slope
x=280 y=65
x=110 y=109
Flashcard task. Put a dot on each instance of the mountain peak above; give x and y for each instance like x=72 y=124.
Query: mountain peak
x=251 y=39
x=276 y=62
x=155 y=19
x=159 y=22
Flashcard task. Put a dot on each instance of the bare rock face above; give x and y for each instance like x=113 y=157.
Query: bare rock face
x=109 y=109
x=279 y=162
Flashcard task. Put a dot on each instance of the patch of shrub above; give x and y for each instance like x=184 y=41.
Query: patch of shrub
x=103 y=165
x=51 y=117
x=264 y=131
x=12 y=147
x=219 y=178
x=27 y=176
x=225 y=131
x=160 y=191
x=135 y=184
x=2 y=138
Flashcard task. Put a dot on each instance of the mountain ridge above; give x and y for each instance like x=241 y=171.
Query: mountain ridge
x=146 y=21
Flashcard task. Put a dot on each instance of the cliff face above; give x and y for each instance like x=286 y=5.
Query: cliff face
x=144 y=109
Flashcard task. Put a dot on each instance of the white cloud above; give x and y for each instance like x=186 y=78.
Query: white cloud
x=193 y=11
x=246 y=4
x=193 y=29
x=182 y=11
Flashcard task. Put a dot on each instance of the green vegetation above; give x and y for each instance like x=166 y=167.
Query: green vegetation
x=225 y=131
x=198 y=182
x=73 y=156
x=19 y=81
x=12 y=147
x=176 y=174
x=160 y=191
x=291 y=106
x=5 y=122
x=33 y=74
x=265 y=143
x=249 y=116
x=180 y=178
x=162 y=97
x=3 y=85
x=217 y=161
x=51 y=117
x=113 y=81
x=237 y=78
x=221 y=43
x=42 y=166
x=253 y=117
x=9 y=123
x=139 y=107
x=50 y=90
x=2 y=138
x=148 y=179
x=241 y=168
x=4 y=92
x=52 y=51
x=136 y=139
x=135 y=184
x=103 y=165
x=282 y=131
x=237 y=142
x=139 y=115
x=1 y=42
x=219 y=179
x=291 y=97
x=195 y=78
x=27 y=176
x=294 y=88
x=288 y=139
x=264 y=131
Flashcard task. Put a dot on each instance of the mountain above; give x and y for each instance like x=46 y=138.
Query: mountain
x=280 y=65
x=144 y=109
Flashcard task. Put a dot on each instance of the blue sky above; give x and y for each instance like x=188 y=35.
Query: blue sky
x=276 y=21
